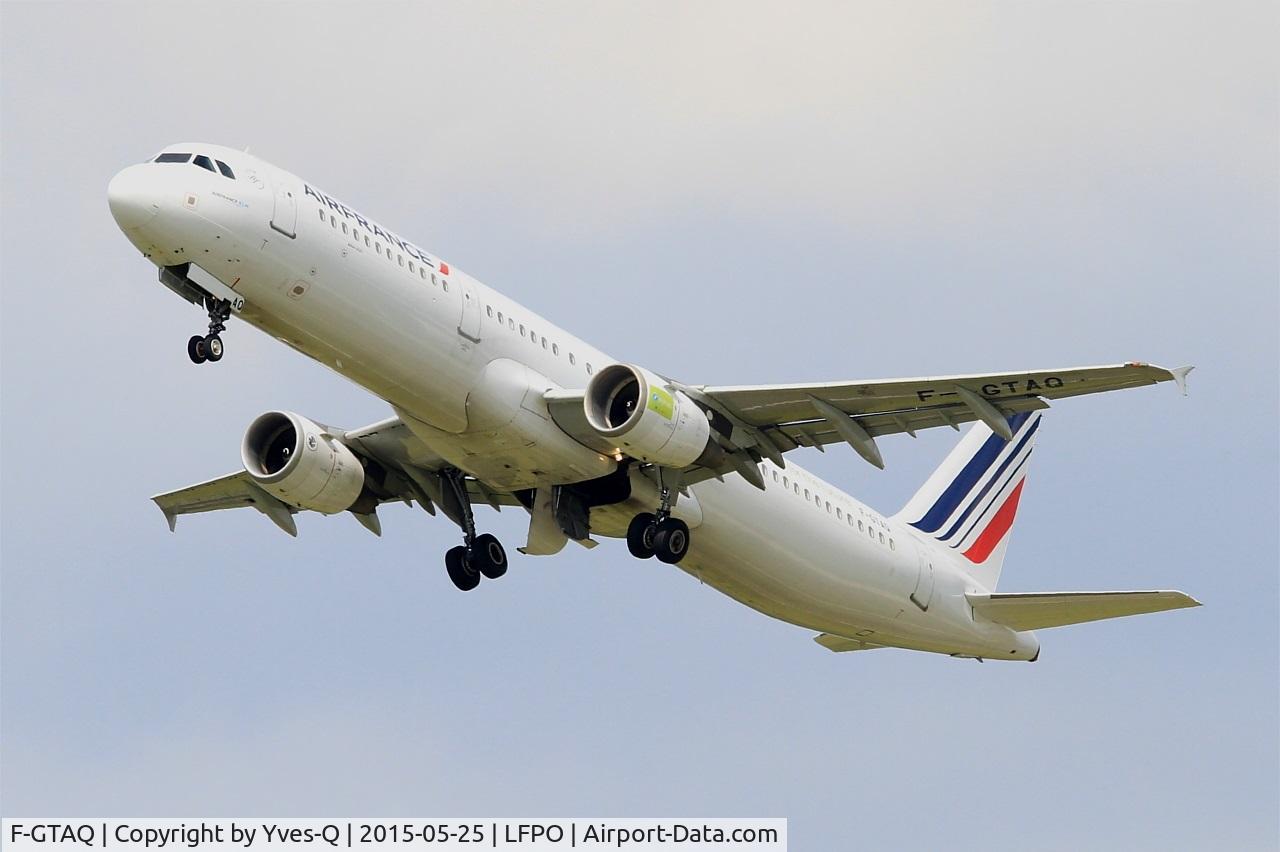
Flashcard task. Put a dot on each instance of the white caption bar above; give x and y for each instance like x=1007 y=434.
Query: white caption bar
x=446 y=835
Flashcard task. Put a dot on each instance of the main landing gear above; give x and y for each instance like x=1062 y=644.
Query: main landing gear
x=479 y=555
x=209 y=347
x=658 y=534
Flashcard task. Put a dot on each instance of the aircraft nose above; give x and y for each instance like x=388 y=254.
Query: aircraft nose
x=131 y=204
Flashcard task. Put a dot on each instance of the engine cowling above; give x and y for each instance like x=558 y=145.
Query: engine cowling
x=649 y=419
x=296 y=460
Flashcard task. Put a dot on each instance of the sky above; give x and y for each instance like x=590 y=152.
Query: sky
x=726 y=193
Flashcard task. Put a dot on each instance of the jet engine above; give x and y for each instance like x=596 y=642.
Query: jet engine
x=647 y=418
x=298 y=461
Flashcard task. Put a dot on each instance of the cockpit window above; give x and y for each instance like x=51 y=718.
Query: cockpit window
x=173 y=158
x=225 y=169
x=204 y=162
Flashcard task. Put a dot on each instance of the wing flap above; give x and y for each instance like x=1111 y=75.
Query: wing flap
x=841 y=644
x=1036 y=611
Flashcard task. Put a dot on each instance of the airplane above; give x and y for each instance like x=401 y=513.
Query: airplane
x=494 y=405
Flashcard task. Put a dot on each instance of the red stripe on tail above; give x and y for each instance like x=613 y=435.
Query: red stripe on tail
x=995 y=531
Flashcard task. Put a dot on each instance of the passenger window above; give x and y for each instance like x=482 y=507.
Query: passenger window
x=500 y=319
x=344 y=227
x=225 y=169
x=511 y=323
x=555 y=349
x=588 y=367
x=445 y=284
x=839 y=514
x=522 y=329
x=488 y=309
x=882 y=538
x=366 y=240
x=400 y=259
x=806 y=494
x=891 y=545
x=859 y=526
x=412 y=268
x=786 y=483
x=321 y=215
x=828 y=508
x=205 y=163
x=796 y=487
x=544 y=343
x=173 y=158
x=775 y=476
x=377 y=247
x=422 y=273
x=572 y=359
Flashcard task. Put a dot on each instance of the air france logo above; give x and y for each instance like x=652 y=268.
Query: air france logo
x=373 y=228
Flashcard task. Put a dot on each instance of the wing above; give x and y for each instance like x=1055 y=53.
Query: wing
x=398 y=467
x=809 y=414
x=226 y=492
x=764 y=421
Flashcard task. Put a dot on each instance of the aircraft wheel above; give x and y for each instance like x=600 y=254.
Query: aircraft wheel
x=671 y=541
x=463 y=575
x=213 y=347
x=489 y=556
x=640 y=535
x=196 y=350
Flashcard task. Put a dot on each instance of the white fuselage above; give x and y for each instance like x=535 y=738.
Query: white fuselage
x=442 y=348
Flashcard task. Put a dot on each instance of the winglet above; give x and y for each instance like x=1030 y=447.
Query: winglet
x=171 y=517
x=1180 y=377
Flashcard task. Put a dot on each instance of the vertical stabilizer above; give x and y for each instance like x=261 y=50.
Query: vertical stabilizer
x=969 y=503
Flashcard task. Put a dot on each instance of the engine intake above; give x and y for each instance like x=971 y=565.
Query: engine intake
x=296 y=460
x=648 y=419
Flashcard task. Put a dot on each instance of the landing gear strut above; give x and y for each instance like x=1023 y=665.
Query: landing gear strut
x=658 y=534
x=478 y=555
x=209 y=347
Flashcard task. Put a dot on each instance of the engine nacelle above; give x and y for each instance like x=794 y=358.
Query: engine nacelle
x=648 y=419
x=295 y=460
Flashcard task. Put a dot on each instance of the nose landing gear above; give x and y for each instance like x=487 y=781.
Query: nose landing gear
x=209 y=347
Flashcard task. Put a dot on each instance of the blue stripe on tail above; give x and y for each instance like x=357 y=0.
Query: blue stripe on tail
x=967 y=478
x=990 y=483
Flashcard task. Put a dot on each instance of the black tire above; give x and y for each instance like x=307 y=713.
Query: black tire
x=463 y=575
x=489 y=556
x=213 y=347
x=671 y=541
x=640 y=535
x=195 y=350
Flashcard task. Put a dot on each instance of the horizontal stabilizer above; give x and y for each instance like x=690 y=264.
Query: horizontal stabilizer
x=1054 y=609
